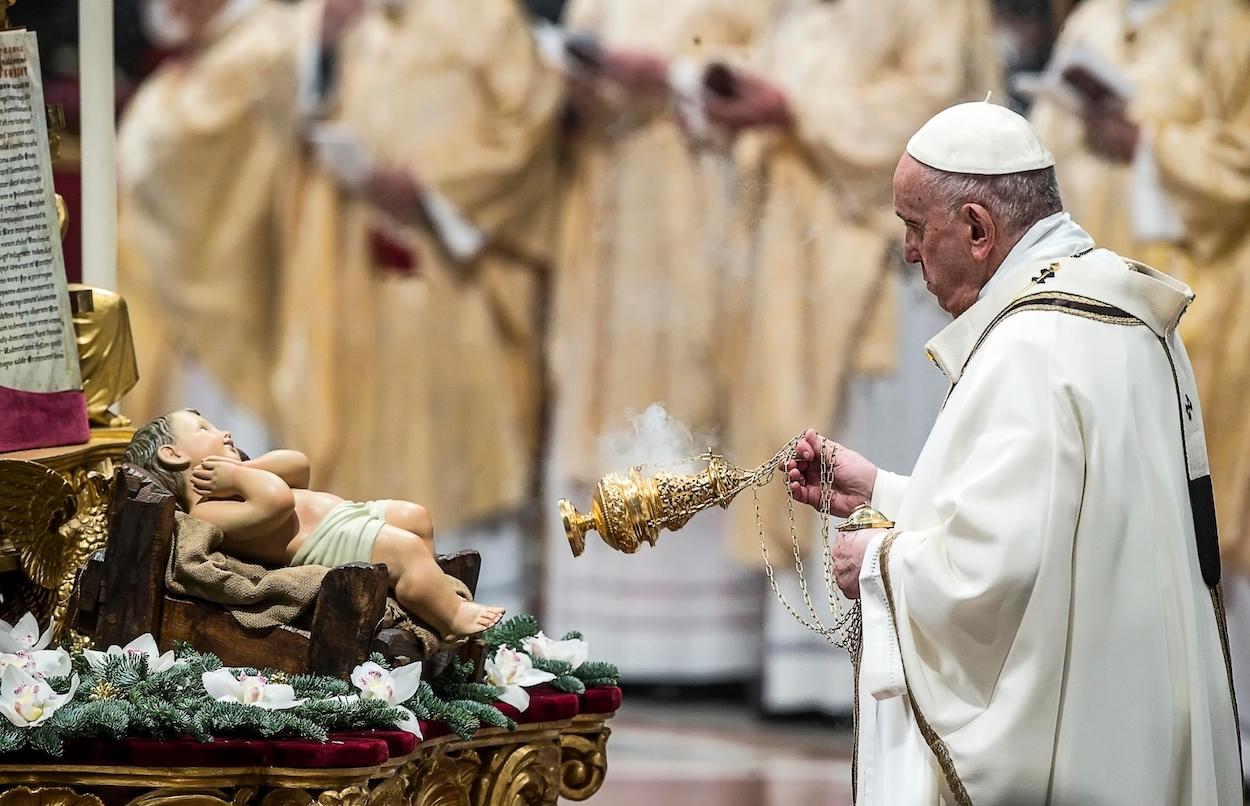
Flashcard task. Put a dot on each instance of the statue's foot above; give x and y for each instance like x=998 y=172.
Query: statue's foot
x=472 y=618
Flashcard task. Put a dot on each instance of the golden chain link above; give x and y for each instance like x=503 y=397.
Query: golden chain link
x=845 y=629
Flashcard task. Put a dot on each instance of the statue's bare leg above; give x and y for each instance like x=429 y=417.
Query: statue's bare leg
x=412 y=518
x=424 y=590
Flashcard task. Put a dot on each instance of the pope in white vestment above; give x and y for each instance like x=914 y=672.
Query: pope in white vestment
x=1044 y=622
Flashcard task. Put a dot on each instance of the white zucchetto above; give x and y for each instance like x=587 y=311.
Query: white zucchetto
x=979 y=138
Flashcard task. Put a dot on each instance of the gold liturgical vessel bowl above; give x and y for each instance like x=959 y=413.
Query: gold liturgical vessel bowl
x=631 y=509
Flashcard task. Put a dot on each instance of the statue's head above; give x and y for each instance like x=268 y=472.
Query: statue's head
x=172 y=444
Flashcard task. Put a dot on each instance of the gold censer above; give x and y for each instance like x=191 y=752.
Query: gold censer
x=633 y=508
x=630 y=509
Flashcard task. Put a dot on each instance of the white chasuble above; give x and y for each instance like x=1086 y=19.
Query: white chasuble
x=1045 y=626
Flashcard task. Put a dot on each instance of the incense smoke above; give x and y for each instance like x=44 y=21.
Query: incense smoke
x=653 y=438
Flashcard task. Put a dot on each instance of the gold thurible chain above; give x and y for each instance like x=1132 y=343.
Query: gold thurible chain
x=845 y=628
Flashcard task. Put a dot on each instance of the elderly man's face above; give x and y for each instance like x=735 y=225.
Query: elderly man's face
x=940 y=240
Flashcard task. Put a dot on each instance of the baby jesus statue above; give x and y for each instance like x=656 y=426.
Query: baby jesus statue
x=268 y=515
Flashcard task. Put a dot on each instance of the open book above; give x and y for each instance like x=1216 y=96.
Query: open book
x=41 y=398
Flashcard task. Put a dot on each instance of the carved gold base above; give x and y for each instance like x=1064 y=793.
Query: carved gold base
x=53 y=515
x=531 y=767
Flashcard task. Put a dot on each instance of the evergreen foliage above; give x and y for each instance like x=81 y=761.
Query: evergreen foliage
x=514 y=631
x=123 y=697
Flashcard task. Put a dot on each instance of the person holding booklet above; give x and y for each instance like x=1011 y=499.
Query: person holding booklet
x=1146 y=105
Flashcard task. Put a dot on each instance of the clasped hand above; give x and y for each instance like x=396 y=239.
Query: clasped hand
x=216 y=477
x=852 y=480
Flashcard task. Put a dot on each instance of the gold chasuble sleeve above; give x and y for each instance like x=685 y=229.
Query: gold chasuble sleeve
x=861 y=77
x=202 y=148
x=1190 y=69
x=418 y=376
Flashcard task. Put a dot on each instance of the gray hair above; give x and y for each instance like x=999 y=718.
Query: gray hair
x=142 y=453
x=1016 y=201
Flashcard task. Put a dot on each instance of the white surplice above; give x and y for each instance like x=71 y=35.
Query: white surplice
x=1039 y=630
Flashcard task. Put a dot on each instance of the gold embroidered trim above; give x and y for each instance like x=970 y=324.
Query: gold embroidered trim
x=940 y=751
x=857 y=658
x=1217 y=604
x=1097 y=317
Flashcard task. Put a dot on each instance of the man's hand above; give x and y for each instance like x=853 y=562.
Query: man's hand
x=337 y=17
x=635 y=70
x=217 y=477
x=755 y=102
x=853 y=476
x=1110 y=134
x=396 y=191
x=848 y=559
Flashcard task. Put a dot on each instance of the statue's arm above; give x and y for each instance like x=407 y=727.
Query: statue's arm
x=254 y=503
x=290 y=466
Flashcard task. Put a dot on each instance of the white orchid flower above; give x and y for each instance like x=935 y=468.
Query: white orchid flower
x=143 y=645
x=572 y=651
x=24 y=635
x=27 y=700
x=255 y=690
x=41 y=663
x=510 y=671
x=394 y=688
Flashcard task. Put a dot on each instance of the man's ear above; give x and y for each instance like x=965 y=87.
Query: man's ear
x=982 y=232
x=171 y=458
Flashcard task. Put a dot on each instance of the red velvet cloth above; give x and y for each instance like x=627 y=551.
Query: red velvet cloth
x=433 y=730
x=67 y=179
x=600 y=700
x=42 y=419
x=391 y=255
x=546 y=705
x=398 y=742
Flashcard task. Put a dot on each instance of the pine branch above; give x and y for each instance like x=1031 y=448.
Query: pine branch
x=45 y=739
x=476 y=692
x=102 y=718
x=487 y=714
x=312 y=686
x=572 y=635
x=596 y=673
x=569 y=683
x=555 y=667
x=11 y=737
x=511 y=633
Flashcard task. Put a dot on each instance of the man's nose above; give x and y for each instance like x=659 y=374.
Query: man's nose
x=910 y=253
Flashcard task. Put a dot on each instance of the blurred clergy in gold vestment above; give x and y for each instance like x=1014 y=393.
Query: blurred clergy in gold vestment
x=202 y=149
x=1146 y=107
x=648 y=299
x=859 y=76
x=408 y=359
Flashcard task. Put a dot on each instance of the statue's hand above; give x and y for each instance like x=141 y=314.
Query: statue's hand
x=853 y=475
x=216 y=477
